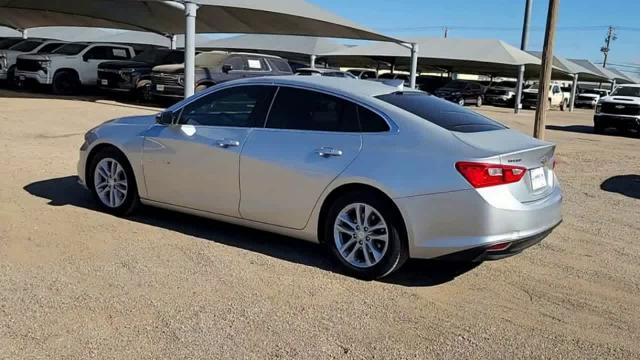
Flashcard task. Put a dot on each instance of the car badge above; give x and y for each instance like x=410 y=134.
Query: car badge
x=620 y=106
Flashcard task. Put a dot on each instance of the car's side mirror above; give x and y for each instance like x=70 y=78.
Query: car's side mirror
x=164 y=118
x=226 y=68
x=85 y=58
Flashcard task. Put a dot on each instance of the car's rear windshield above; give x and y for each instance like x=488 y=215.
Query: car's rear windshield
x=27 y=45
x=441 y=112
x=7 y=43
x=70 y=49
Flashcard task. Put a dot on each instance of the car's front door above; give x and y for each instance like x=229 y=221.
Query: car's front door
x=309 y=139
x=194 y=162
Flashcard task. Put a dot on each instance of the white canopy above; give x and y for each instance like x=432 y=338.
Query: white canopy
x=283 y=45
x=284 y=17
x=487 y=57
x=573 y=68
x=92 y=34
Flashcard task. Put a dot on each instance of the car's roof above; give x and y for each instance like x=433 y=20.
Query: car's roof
x=629 y=85
x=337 y=85
x=320 y=70
x=240 y=53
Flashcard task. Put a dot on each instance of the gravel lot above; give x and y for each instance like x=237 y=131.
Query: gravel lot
x=76 y=283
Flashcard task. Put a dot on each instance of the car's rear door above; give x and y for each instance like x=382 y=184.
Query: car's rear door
x=195 y=162
x=309 y=139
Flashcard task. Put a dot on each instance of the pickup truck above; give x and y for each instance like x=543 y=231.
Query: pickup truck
x=215 y=67
x=134 y=76
x=590 y=97
x=9 y=56
x=70 y=66
x=557 y=97
x=620 y=110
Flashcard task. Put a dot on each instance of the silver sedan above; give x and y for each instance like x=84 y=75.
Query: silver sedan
x=378 y=174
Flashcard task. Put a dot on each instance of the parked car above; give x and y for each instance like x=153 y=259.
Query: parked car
x=9 y=56
x=134 y=76
x=70 y=66
x=462 y=92
x=215 y=67
x=324 y=72
x=363 y=74
x=375 y=174
x=590 y=97
x=431 y=83
x=620 y=110
x=557 y=97
x=501 y=93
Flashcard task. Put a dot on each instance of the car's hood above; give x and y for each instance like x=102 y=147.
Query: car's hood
x=502 y=88
x=134 y=120
x=621 y=99
x=170 y=69
x=530 y=91
x=447 y=91
x=123 y=64
x=43 y=57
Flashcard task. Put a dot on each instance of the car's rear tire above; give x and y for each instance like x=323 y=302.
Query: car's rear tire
x=461 y=102
x=12 y=83
x=479 y=101
x=367 y=247
x=143 y=91
x=65 y=82
x=564 y=105
x=112 y=182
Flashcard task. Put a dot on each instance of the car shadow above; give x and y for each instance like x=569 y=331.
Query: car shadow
x=584 y=129
x=65 y=191
x=627 y=185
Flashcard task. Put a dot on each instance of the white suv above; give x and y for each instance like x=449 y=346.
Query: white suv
x=70 y=66
x=9 y=56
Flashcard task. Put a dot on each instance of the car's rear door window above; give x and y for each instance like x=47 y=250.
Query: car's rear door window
x=239 y=106
x=441 y=112
x=299 y=109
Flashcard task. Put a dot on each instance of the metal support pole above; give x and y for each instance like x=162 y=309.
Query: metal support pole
x=545 y=72
x=190 y=11
x=25 y=33
x=574 y=91
x=523 y=47
x=414 y=64
x=173 y=39
x=312 y=61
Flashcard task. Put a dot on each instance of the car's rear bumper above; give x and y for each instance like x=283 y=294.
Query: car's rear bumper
x=498 y=99
x=167 y=91
x=617 y=121
x=449 y=223
x=3 y=74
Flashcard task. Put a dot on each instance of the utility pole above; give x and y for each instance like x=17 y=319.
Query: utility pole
x=611 y=36
x=523 y=47
x=545 y=71
x=446 y=32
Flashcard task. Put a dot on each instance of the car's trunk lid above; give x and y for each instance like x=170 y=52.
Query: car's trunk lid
x=510 y=147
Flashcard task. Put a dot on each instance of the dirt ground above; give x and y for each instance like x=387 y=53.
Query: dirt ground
x=76 y=283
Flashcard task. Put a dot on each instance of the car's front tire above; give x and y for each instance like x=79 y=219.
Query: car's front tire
x=365 y=235
x=65 y=83
x=461 y=102
x=479 y=101
x=112 y=182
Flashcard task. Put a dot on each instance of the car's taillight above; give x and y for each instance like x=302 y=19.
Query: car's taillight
x=481 y=175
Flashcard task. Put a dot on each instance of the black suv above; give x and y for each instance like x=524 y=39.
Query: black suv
x=215 y=67
x=134 y=75
x=462 y=92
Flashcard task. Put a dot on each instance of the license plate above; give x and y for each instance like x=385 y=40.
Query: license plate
x=22 y=78
x=160 y=87
x=538 y=179
x=104 y=82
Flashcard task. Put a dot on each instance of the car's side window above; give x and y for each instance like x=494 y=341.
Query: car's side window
x=96 y=53
x=370 y=121
x=117 y=53
x=240 y=106
x=299 y=109
x=236 y=62
x=255 y=63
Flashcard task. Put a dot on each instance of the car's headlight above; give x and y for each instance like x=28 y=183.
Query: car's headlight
x=44 y=62
x=511 y=93
x=598 y=107
x=3 y=61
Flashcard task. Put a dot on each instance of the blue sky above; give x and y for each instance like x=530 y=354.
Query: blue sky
x=582 y=24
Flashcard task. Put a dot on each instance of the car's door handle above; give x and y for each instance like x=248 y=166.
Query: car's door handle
x=328 y=151
x=225 y=143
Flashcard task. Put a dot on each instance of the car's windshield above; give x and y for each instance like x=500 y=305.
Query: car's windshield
x=626 y=91
x=151 y=56
x=456 y=85
x=506 y=84
x=25 y=46
x=70 y=49
x=441 y=112
x=307 y=73
x=210 y=59
x=7 y=43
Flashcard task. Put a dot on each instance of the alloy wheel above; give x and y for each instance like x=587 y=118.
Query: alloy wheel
x=361 y=235
x=110 y=182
